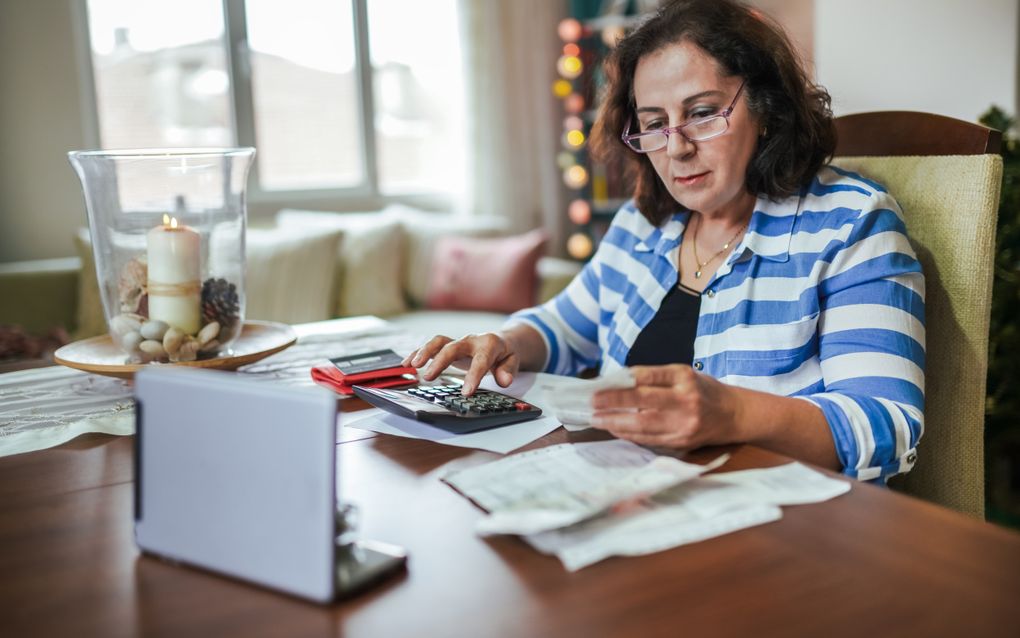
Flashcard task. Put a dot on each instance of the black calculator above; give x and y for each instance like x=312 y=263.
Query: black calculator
x=444 y=407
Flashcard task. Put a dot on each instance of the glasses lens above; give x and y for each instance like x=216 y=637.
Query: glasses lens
x=647 y=142
x=707 y=128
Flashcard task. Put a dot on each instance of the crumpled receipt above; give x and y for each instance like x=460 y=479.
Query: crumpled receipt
x=561 y=485
x=570 y=398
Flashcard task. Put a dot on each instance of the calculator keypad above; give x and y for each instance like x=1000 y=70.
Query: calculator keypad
x=481 y=402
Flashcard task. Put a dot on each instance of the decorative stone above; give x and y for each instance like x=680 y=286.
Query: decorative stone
x=188 y=350
x=130 y=341
x=125 y=323
x=154 y=329
x=208 y=332
x=172 y=340
x=152 y=348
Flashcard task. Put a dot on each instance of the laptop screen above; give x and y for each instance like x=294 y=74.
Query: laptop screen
x=238 y=477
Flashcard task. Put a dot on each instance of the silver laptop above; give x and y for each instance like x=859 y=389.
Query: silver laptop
x=239 y=477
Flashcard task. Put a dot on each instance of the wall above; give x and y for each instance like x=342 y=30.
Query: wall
x=953 y=58
x=40 y=200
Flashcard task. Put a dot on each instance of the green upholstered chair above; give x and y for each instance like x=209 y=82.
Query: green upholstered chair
x=946 y=175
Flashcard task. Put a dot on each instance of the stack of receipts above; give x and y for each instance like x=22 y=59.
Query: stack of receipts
x=570 y=399
x=586 y=502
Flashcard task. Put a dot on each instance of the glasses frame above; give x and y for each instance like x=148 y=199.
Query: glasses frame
x=725 y=114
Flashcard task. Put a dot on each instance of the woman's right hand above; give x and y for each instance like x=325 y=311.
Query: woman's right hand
x=479 y=354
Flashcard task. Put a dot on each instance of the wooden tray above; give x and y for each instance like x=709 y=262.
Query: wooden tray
x=258 y=340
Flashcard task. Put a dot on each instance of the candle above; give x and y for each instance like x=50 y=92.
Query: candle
x=174 y=288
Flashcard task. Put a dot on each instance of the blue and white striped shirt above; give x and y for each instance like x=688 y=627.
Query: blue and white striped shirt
x=823 y=299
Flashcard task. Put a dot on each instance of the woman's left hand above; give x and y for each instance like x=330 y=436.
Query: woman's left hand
x=671 y=406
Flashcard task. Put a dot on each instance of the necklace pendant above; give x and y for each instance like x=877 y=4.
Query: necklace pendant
x=697 y=274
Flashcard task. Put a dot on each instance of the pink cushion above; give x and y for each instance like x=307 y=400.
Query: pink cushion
x=493 y=274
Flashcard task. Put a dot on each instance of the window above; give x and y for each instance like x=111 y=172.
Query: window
x=342 y=98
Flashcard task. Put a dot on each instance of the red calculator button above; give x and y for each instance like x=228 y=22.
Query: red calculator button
x=521 y=406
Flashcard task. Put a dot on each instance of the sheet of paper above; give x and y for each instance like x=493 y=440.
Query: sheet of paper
x=699 y=509
x=570 y=399
x=500 y=440
x=560 y=485
x=648 y=528
x=790 y=484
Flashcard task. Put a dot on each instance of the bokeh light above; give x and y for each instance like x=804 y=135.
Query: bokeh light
x=569 y=66
x=571 y=49
x=565 y=160
x=575 y=177
x=570 y=30
x=562 y=88
x=573 y=123
x=579 y=246
x=579 y=212
x=574 y=138
x=574 y=103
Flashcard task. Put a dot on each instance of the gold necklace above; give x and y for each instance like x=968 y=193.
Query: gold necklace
x=726 y=246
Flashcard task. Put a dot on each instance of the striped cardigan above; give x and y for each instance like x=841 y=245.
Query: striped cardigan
x=823 y=299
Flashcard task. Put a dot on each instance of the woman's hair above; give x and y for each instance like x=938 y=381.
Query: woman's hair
x=792 y=109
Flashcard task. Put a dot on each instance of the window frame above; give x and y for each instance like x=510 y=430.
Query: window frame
x=366 y=195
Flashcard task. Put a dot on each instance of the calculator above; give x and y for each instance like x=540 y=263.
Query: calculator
x=444 y=407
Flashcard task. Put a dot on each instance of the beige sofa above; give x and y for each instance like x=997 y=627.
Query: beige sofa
x=304 y=266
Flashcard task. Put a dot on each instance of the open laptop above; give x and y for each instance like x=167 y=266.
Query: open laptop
x=239 y=477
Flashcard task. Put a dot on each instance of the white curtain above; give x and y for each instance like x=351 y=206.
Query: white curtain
x=514 y=120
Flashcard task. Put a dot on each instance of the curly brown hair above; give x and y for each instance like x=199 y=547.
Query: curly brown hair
x=795 y=111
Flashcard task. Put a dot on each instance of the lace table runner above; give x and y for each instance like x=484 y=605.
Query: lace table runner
x=44 y=407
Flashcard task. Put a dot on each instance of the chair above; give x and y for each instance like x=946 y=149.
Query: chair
x=947 y=175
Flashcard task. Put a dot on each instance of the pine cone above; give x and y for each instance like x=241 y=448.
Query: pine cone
x=220 y=303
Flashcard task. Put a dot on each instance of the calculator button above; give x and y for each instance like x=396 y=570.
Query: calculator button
x=521 y=406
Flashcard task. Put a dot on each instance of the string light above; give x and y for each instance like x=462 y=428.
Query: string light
x=574 y=103
x=565 y=160
x=579 y=212
x=574 y=138
x=569 y=66
x=575 y=176
x=579 y=246
x=562 y=88
x=571 y=49
x=570 y=30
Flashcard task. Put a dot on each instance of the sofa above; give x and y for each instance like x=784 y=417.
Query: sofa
x=430 y=273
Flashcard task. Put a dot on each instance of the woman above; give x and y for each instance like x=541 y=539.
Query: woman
x=760 y=295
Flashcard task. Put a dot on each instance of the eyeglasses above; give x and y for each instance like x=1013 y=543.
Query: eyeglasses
x=697 y=130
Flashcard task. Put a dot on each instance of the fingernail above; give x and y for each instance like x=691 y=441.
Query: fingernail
x=416 y=361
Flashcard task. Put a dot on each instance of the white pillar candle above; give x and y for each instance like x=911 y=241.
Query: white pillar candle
x=174 y=270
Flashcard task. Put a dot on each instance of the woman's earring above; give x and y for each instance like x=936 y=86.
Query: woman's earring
x=764 y=131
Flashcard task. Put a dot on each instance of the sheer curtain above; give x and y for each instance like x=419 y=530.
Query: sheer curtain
x=514 y=121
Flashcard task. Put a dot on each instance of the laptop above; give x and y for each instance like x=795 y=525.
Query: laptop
x=238 y=477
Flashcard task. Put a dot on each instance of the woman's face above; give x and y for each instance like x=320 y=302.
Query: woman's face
x=679 y=83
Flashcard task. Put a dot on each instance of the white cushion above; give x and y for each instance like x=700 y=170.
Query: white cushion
x=368 y=261
x=290 y=274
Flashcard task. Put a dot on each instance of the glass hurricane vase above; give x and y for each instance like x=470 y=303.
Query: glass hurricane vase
x=167 y=229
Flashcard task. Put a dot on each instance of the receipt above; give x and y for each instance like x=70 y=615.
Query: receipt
x=561 y=485
x=570 y=398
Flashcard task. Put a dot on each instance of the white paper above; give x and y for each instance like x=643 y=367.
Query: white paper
x=652 y=527
x=560 y=485
x=500 y=440
x=699 y=509
x=790 y=484
x=570 y=399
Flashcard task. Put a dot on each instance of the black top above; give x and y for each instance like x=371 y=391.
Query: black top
x=669 y=336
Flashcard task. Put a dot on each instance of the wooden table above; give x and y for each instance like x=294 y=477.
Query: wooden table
x=871 y=562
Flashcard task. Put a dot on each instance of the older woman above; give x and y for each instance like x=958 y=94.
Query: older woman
x=759 y=295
